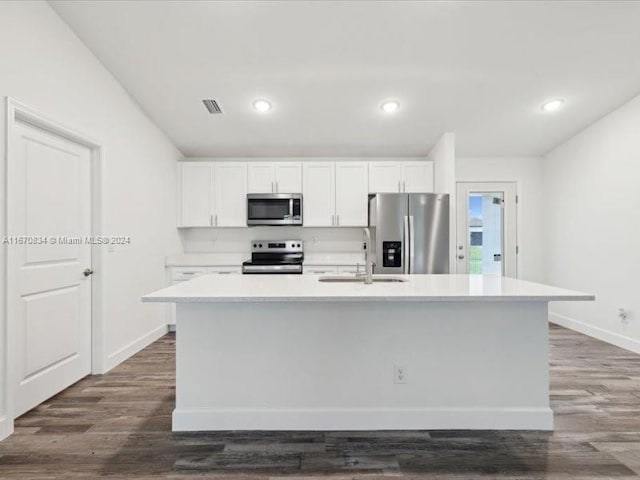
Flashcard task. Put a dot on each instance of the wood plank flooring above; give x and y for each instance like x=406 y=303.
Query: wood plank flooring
x=119 y=426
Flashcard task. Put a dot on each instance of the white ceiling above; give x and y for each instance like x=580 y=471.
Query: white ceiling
x=480 y=69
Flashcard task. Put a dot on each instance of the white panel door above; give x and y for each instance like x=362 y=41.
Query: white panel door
x=352 y=193
x=50 y=297
x=486 y=228
x=230 y=186
x=318 y=192
x=196 y=194
x=385 y=177
x=260 y=177
x=288 y=177
x=417 y=176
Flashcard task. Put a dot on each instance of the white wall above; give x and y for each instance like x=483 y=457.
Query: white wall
x=592 y=215
x=45 y=66
x=527 y=173
x=443 y=156
x=238 y=240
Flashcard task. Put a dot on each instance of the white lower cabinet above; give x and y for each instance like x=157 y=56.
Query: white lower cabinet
x=320 y=269
x=332 y=269
x=225 y=270
x=184 y=274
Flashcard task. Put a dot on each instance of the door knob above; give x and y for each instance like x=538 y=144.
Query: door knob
x=460 y=257
x=87 y=272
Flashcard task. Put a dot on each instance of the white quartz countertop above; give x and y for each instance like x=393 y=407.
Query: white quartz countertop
x=308 y=288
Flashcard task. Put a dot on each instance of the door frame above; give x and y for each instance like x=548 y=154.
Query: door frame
x=490 y=186
x=19 y=112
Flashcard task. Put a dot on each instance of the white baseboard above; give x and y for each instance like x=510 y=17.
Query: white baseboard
x=364 y=419
x=134 y=347
x=616 y=339
x=6 y=427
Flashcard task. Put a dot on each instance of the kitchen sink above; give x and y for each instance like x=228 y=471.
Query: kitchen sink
x=339 y=279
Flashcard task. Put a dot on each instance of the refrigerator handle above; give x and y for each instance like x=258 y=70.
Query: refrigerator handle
x=412 y=250
x=405 y=246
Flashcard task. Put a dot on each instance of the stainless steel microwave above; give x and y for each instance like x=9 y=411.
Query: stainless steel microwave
x=274 y=209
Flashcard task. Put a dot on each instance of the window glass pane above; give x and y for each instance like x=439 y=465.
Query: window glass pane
x=485 y=224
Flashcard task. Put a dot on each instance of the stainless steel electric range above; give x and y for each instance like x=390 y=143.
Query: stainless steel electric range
x=275 y=256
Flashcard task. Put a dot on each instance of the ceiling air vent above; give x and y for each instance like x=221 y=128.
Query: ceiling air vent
x=212 y=106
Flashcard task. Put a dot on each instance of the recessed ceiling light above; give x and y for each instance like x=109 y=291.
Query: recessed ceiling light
x=261 y=106
x=553 y=105
x=390 y=106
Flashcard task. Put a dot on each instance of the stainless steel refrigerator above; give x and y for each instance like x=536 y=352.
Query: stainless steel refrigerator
x=410 y=232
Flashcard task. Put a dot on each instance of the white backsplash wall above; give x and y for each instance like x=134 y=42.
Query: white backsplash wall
x=238 y=240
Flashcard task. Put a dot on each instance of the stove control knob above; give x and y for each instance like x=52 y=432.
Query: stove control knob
x=255 y=245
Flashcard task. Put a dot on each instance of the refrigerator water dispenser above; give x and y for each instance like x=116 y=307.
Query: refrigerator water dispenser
x=391 y=254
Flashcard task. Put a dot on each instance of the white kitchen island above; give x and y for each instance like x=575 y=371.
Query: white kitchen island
x=288 y=352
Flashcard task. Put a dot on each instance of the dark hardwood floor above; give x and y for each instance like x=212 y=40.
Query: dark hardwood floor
x=119 y=425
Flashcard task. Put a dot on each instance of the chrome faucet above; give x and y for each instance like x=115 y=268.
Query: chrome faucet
x=369 y=263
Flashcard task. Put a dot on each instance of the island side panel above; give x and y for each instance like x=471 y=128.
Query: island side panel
x=327 y=366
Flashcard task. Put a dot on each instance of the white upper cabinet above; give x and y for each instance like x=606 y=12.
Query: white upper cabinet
x=260 y=177
x=351 y=194
x=385 y=177
x=417 y=176
x=288 y=177
x=275 y=177
x=213 y=194
x=318 y=192
x=335 y=193
x=407 y=176
x=230 y=187
x=196 y=187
